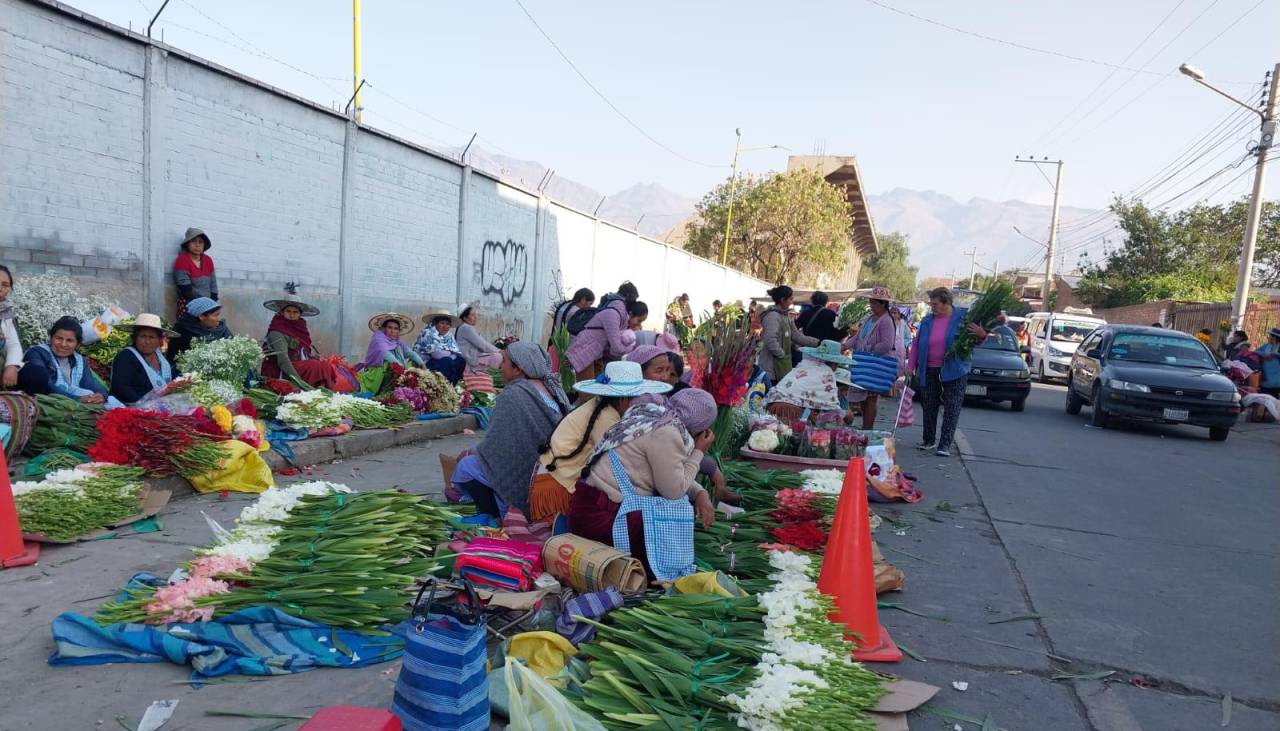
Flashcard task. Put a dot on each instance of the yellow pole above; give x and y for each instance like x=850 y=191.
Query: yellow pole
x=733 y=187
x=355 y=55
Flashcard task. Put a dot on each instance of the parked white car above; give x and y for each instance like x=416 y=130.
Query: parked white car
x=1054 y=339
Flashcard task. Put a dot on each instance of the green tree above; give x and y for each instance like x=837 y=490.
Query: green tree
x=785 y=225
x=888 y=267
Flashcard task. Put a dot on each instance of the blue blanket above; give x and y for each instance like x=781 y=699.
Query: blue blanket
x=253 y=641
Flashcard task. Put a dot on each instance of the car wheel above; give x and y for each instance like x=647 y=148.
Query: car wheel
x=1098 y=415
x=1040 y=376
x=1073 y=401
x=1018 y=404
x=1219 y=433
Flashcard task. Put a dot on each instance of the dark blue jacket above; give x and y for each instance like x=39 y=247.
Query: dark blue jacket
x=43 y=357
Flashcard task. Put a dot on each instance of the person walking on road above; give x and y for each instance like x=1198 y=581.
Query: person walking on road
x=942 y=375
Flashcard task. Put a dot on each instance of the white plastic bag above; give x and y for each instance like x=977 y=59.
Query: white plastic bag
x=535 y=705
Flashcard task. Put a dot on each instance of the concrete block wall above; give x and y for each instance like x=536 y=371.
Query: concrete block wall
x=111 y=145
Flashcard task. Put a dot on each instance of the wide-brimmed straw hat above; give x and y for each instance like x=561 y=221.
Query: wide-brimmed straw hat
x=880 y=293
x=621 y=378
x=195 y=233
x=406 y=323
x=147 y=319
x=431 y=317
x=829 y=351
x=291 y=299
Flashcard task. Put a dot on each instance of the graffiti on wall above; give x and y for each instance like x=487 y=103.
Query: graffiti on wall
x=504 y=269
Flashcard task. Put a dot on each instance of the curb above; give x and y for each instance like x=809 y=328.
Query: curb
x=353 y=444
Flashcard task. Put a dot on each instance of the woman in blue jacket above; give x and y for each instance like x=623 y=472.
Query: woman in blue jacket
x=942 y=376
x=55 y=367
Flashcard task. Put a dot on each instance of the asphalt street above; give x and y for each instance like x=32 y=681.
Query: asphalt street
x=1051 y=549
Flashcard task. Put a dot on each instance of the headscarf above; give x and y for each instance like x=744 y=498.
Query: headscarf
x=296 y=329
x=534 y=362
x=379 y=346
x=695 y=408
x=640 y=419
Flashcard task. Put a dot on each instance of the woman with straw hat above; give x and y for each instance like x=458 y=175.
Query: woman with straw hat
x=438 y=348
x=142 y=368
x=810 y=387
x=291 y=353
x=385 y=346
x=877 y=335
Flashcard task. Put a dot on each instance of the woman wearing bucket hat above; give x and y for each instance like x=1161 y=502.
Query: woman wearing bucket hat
x=810 y=387
x=875 y=336
x=141 y=368
x=480 y=354
x=438 y=347
x=193 y=269
x=575 y=438
x=291 y=353
x=202 y=323
x=385 y=345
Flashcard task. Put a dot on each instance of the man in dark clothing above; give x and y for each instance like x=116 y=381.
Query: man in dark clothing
x=201 y=323
x=821 y=323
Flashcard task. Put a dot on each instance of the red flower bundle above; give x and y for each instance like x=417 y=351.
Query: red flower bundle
x=807 y=536
x=246 y=408
x=721 y=362
x=159 y=443
x=280 y=386
x=797 y=506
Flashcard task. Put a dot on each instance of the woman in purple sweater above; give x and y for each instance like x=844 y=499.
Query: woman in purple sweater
x=877 y=334
x=601 y=340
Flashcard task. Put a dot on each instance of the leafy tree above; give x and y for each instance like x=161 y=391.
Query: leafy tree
x=888 y=267
x=785 y=225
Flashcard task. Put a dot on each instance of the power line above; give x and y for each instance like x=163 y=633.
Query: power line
x=602 y=96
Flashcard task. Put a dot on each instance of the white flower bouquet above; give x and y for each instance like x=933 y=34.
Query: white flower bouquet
x=228 y=359
x=41 y=299
x=310 y=410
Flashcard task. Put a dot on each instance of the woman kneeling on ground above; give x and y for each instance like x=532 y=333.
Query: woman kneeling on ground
x=141 y=368
x=809 y=388
x=640 y=495
x=55 y=367
x=527 y=411
x=573 y=441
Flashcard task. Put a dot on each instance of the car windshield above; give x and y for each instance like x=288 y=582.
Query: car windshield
x=1070 y=332
x=1166 y=349
x=1000 y=340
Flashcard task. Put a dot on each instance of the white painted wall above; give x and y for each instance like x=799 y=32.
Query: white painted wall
x=112 y=145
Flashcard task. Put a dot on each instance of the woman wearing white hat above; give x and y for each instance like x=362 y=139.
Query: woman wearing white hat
x=141 y=368
x=574 y=439
x=438 y=347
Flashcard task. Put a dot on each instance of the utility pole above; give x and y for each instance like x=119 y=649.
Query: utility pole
x=1053 y=226
x=733 y=187
x=973 y=263
x=355 y=56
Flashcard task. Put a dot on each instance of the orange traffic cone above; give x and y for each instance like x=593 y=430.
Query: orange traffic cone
x=13 y=551
x=848 y=575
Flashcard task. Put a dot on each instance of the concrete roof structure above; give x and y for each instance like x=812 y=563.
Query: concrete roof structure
x=842 y=172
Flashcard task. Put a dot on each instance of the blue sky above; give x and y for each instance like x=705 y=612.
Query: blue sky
x=921 y=106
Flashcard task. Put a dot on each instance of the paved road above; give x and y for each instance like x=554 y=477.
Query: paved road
x=1147 y=550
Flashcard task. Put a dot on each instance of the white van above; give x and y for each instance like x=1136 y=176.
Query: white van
x=1054 y=339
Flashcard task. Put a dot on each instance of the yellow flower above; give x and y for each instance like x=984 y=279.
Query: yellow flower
x=222 y=417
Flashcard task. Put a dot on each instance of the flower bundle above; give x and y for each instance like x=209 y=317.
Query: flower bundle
x=339 y=558
x=228 y=359
x=441 y=396
x=853 y=312
x=309 y=410
x=106 y=349
x=559 y=347
x=368 y=414
x=264 y=400
x=63 y=422
x=43 y=298
x=70 y=503
x=806 y=677
x=721 y=363
x=161 y=444
x=502 y=342
x=824 y=482
x=763 y=440
x=731 y=545
x=983 y=312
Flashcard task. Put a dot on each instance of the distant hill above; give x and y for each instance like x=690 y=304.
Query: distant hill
x=939 y=226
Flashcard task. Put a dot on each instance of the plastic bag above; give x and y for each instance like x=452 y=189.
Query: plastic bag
x=242 y=470
x=535 y=705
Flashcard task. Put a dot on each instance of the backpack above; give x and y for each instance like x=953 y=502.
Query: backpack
x=580 y=319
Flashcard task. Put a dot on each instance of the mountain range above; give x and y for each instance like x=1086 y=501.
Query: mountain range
x=940 y=228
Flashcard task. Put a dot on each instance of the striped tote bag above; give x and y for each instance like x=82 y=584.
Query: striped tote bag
x=874 y=373
x=442 y=684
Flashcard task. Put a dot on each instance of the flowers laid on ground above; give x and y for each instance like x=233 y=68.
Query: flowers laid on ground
x=424 y=391
x=228 y=359
x=824 y=482
x=72 y=502
x=63 y=422
x=161 y=444
x=316 y=551
x=309 y=410
x=368 y=414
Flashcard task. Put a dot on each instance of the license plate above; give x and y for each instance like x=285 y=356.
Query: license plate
x=982 y=391
x=1176 y=414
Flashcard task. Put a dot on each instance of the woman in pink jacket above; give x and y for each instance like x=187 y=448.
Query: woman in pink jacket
x=602 y=339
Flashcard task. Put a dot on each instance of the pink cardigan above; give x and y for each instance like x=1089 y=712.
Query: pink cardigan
x=602 y=336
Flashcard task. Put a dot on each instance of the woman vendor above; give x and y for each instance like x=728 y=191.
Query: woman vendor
x=202 y=323
x=779 y=335
x=290 y=352
x=810 y=387
x=602 y=339
x=9 y=330
x=480 y=354
x=438 y=347
x=575 y=438
x=640 y=495
x=385 y=347
x=878 y=334
x=55 y=367
x=526 y=413
x=193 y=270
x=141 y=368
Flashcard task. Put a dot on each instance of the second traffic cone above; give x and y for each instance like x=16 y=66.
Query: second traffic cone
x=848 y=575
x=13 y=551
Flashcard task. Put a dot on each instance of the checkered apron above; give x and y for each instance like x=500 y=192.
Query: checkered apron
x=668 y=527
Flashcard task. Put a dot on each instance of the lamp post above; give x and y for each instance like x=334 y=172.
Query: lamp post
x=733 y=188
x=1265 y=141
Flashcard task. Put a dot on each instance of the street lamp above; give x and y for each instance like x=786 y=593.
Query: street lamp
x=733 y=187
x=1265 y=141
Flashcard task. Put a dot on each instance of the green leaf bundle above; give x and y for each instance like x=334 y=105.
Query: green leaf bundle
x=983 y=312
